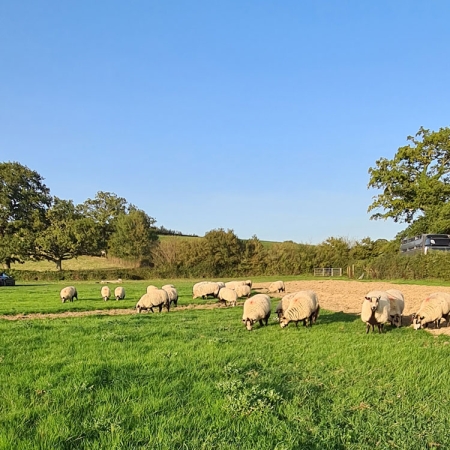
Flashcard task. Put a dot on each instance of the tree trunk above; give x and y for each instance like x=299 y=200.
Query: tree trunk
x=7 y=263
x=59 y=264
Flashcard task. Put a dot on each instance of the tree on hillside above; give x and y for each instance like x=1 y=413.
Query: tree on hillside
x=333 y=252
x=24 y=199
x=134 y=236
x=224 y=251
x=66 y=234
x=416 y=182
x=104 y=210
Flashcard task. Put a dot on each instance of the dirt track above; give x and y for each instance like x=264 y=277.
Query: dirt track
x=334 y=295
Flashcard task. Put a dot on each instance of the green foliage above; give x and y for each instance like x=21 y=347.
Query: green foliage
x=66 y=234
x=104 y=210
x=134 y=236
x=23 y=201
x=416 y=181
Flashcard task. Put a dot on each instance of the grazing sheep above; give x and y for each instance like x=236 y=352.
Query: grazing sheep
x=303 y=306
x=233 y=284
x=172 y=293
x=227 y=295
x=205 y=289
x=150 y=288
x=68 y=293
x=256 y=308
x=375 y=310
x=154 y=298
x=119 y=293
x=106 y=293
x=283 y=304
x=243 y=291
x=396 y=306
x=434 y=308
x=277 y=286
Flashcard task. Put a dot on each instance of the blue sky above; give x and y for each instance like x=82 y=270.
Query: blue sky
x=258 y=116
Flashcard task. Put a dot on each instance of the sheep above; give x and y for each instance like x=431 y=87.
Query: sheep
x=396 y=306
x=68 y=293
x=283 y=304
x=119 y=293
x=303 y=306
x=150 y=288
x=205 y=289
x=227 y=295
x=434 y=308
x=375 y=310
x=106 y=293
x=172 y=293
x=233 y=284
x=154 y=298
x=243 y=290
x=277 y=286
x=256 y=308
x=248 y=283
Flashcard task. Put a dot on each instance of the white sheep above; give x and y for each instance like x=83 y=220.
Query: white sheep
x=375 y=310
x=205 y=289
x=435 y=307
x=119 y=293
x=106 y=293
x=233 y=284
x=227 y=295
x=283 y=304
x=303 y=306
x=155 y=298
x=396 y=306
x=68 y=293
x=256 y=308
x=277 y=286
x=172 y=293
x=243 y=290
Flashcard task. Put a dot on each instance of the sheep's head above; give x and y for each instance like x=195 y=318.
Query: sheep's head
x=417 y=321
x=248 y=323
x=373 y=302
x=284 y=322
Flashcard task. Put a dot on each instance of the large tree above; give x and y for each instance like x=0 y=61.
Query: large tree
x=104 y=210
x=134 y=237
x=416 y=181
x=24 y=199
x=66 y=233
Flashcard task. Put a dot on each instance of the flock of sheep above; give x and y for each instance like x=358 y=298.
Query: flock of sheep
x=378 y=307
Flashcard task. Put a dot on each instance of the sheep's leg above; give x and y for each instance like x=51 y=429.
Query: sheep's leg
x=261 y=323
x=367 y=328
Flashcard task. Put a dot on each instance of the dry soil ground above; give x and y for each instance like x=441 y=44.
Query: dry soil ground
x=334 y=295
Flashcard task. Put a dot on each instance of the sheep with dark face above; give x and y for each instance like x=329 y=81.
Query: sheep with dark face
x=375 y=310
x=432 y=310
x=229 y=296
x=277 y=286
x=172 y=293
x=203 y=289
x=256 y=308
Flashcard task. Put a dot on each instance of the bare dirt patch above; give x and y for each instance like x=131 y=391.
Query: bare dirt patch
x=334 y=295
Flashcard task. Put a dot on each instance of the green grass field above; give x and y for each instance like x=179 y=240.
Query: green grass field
x=197 y=379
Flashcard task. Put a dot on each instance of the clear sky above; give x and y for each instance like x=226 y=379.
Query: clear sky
x=257 y=116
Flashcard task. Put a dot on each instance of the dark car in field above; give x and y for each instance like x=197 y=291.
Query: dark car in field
x=6 y=280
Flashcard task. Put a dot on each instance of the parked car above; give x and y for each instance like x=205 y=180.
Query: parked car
x=6 y=280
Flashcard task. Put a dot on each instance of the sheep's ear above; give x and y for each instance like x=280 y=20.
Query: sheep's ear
x=379 y=298
x=367 y=298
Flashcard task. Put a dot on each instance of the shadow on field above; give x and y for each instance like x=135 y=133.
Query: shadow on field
x=332 y=317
